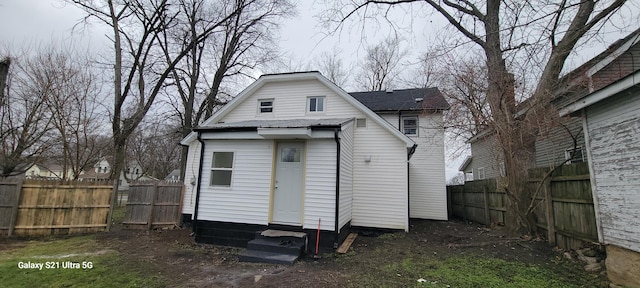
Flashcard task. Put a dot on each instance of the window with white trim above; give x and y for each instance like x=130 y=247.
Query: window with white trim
x=410 y=125
x=481 y=174
x=503 y=170
x=265 y=106
x=574 y=155
x=221 y=169
x=316 y=104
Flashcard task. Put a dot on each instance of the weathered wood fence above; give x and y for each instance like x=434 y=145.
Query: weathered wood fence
x=153 y=204
x=37 y=207
x=565 y=200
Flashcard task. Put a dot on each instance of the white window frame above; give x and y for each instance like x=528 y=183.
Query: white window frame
x=361 y=121
x=503 y=170
x=567 y=154
x=481 y=173
x=417 y=125
x=233 y=164
x=324 y=104
x=260 y=107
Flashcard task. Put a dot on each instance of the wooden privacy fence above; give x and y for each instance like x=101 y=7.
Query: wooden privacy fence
x=153 y=204
x=37 y=207
x=564 y=200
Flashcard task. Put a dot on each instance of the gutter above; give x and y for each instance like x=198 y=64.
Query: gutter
x=195 y=210
x=337 y=220
x=409 y=154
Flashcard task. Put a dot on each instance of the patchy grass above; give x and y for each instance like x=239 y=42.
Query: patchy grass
x=98 y=267
x=456 y=271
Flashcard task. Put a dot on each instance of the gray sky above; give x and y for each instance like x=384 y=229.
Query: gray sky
x=33 y=22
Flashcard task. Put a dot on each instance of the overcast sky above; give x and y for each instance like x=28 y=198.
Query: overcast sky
x=32 y=22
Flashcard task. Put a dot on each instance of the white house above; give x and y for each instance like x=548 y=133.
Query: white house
x=294 y=151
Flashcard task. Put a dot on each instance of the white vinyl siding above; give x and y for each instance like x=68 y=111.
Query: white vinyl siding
x=379 y=186
x=291 y=99
x=320 y=184
x=551 y=147
x=191 y=178
x=614 y=144
x=427 y=189
x=346 y=174
x=247 y=200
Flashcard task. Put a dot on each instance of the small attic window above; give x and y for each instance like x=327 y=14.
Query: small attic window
x=361 y=122
x=316 y=104
x=265 y=105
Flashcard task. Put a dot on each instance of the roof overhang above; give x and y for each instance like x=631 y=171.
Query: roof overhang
x=604 y=93
x=314 y=75
x=466 y=163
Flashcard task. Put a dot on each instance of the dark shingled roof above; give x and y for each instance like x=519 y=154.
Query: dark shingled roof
x=403 y=100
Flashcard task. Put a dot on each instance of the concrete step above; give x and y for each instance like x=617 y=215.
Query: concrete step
x=277 y=245
x=267 y=257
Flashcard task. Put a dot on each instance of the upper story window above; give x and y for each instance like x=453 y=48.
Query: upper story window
x=410 y=125
x=316 y=104
x=481 y=173
x=361 y=122
x=265 y=106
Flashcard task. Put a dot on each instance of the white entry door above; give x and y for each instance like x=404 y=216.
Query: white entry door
x=287 y=195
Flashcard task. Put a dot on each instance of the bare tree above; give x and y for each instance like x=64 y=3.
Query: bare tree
x=155 y=147
x=380 y=67
x=140 y=63
x=25 y=123
x=242 y=42
x=331 y=66
x=538 y=35
x=73 y=106
x=4 y=71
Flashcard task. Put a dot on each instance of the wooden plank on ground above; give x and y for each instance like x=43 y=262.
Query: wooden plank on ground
x=347 y=243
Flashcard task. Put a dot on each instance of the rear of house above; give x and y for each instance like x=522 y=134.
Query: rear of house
x=294 y=152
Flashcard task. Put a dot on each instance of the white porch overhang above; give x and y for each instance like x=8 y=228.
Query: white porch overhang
x=273 y=129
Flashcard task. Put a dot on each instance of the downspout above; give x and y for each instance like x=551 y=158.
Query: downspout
x=337 y=139
x=195 y=210
x=411 y=151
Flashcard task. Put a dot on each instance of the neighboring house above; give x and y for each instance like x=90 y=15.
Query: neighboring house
x=294 y=151
x=610 y=114
x=173 y=176
x=565 y=142
x=102 y=171
x=46 y=171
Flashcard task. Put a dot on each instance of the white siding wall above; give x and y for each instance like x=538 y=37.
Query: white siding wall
x=191 y=175
x=427 y=180
x=380 y=186
x=614 y=138
x=346 y=174
x=428 y=194
x=290 y=102
x=320 y=184
x=247 y=200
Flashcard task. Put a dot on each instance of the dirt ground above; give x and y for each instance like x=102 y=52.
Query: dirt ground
x=174 y=255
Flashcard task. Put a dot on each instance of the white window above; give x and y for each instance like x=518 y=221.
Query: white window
x=503 y=170
x=361 y=122
x=221 y=169
x=574 y=155
x=481 y=175
x=316 y=104
x=410 y=125
x=265 y=106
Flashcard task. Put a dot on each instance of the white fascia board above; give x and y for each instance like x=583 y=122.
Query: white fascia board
x=604 y=93
x=615 y=54
x=466 y=163
x=231 y=135
x=285 y=133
